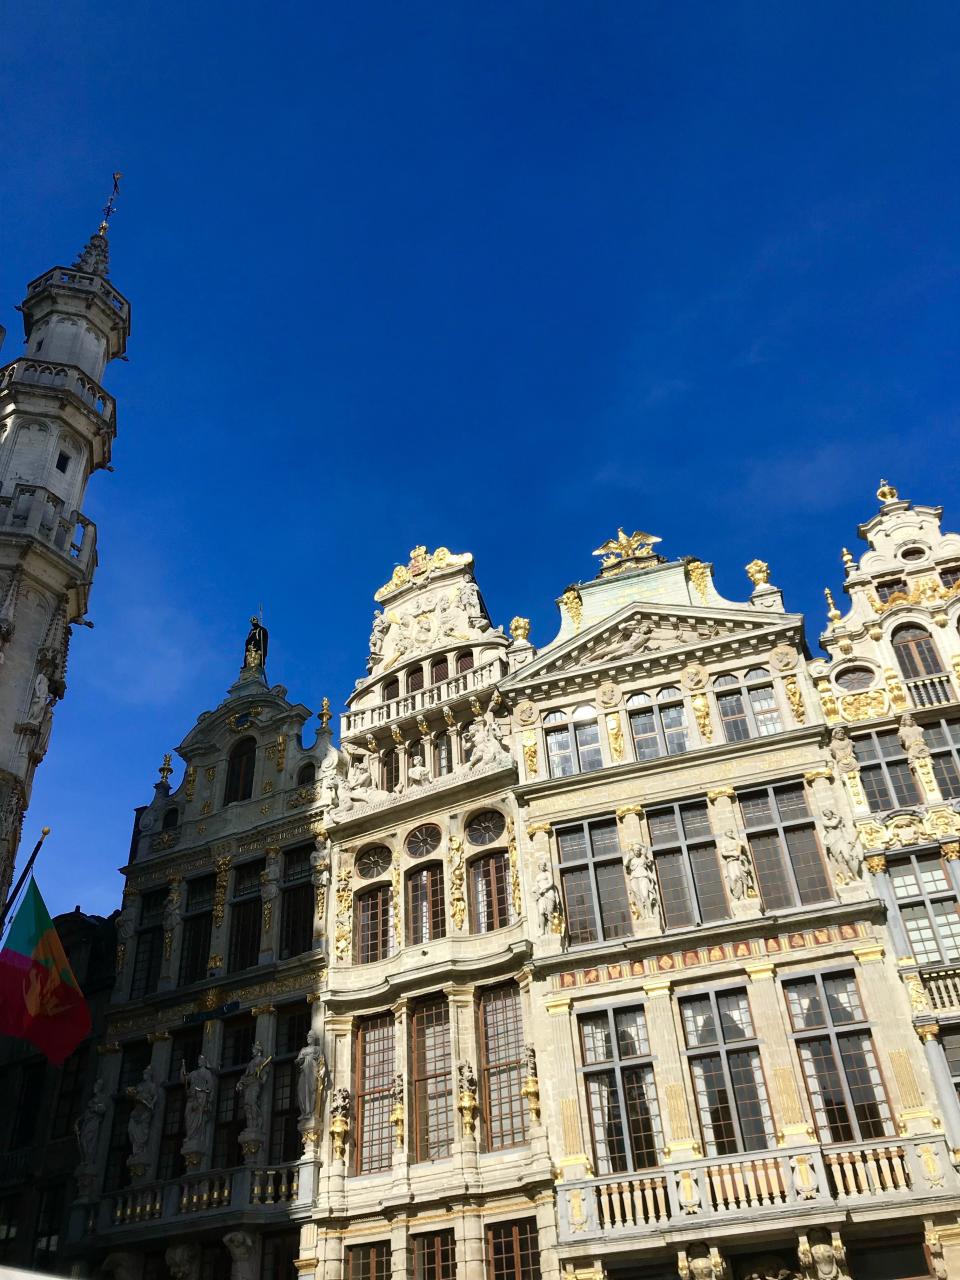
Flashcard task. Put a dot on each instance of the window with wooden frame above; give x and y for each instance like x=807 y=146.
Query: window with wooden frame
x=70 y=1091
x=373 y=927
x=134 y=1060
x=728 y=1080
x=426 y=908
x=432 y=1080
x=414 y=679
x=490 y=900
x=375 y=1068
x=783 y=842
x=228 y=1120
x=464 y=661
x=839 y=1063
x=888 y=782
x=685 y=854
x=185 y=1048
x=369 y=1261
x=442 y=755
x=593 y=883
x=500 y=1038
x=390 y=769
x=950 y=1043
x=307 y=774
x=279 y=1251
x=928 y=906
x=950 y=574
x=439 y=669
x=435 y=1256
x=573 y=743
x=246 y=912
x=241 y=765
x=747 y=705
x=620 y=1090
x=659 y=727
x=297 y=903
x=148 y=956
x=916 y=653
x=197 y=925
x=513 y=1250
x=391 y=690
x=293 y=1023
x=943 y=738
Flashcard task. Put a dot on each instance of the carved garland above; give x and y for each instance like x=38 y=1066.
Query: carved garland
x=222 y=866
x=514 y=869
x=458 y=903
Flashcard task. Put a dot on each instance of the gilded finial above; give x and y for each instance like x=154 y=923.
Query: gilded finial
x=833 y=613
x=520 y=628
x=758 y=571
x=616 y=552
x=849 y=563
x=887 y=493
x=110 y=208
x=326 y=715
x=166 y=768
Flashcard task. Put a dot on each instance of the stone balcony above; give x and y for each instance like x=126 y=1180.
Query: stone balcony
x=435 y=695
x=67 y=379
x=931 y=691
x=689 y=1196
x=942 y=985
x=74 y=278
x=35 y=512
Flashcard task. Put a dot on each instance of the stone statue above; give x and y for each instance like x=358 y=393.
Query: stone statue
x=171 y=908
x=701 y=1263
x=418 y=773
x=485 y=744
x=642 y=878
x=635 y=635
x=769 y=1267
x=841 y=749
x=822 y=1256
x=87 y=1127
x=844 y=850
x=126 y=926
x=144 y=1099
x=548 y=898
x=250 y=1088
x=911 y=738
x=183 y=1261
x=198 y=1108
x=40 y=699
x=377 y=636
x=255 y=649
x=269 y=889
x=468 y=599
x=312 y=1067
x=242 y=1247
x=736 y=865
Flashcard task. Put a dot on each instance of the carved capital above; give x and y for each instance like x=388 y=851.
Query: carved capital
x=628 y=809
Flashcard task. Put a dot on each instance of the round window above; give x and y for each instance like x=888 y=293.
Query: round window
x=423 y=840
x=913 y=553
x=855 y=678
x=485 y=827
x=373 y=861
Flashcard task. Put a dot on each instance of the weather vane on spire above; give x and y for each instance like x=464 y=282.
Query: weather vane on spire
x=110 y=208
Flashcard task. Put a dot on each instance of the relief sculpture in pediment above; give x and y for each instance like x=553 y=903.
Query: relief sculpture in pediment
x=454 y=614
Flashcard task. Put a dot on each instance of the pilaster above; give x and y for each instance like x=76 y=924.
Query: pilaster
x=681 y=1142
x=792 y=1120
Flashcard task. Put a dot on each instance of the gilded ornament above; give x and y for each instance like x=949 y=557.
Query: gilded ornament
x=626 y=810
x=397 y=894
x=371 y=743
x=421 y=567
x=617 y=553
x=449 y=718
x=794 y=696
x=166 y=768
x=876 y=863
x=813 y=775
x=190 y=781
x=397 y=734
x=325 y=714
x=539 y=828
x=458 y=903
x=206 y=807
x=721 y=793
x=573 y=603
x=700 y=577
x=833 y=613
x=475 y=706
x=758 y=571
x=701 y=712
x=520 y=628
x=868 y=705
x=828 y=701
x=529 y=745
x=898 y=697
x=210 y=773
x=928 y=1031
x=423 y=726
x=950 y=850
x=887 y=493
x=222 y=867
x=849 y=564
x=239 y=722
x=615 y=736
x=514 y=868
x=919 y=1000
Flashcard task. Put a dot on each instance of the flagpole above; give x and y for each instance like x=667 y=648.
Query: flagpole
x=23 y=876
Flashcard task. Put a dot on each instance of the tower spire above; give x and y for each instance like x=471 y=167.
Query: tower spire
x=95 y=255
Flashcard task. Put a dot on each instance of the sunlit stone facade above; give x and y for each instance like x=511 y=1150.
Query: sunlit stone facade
x=632 y=955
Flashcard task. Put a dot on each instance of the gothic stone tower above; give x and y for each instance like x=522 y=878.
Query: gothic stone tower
x=57 y=426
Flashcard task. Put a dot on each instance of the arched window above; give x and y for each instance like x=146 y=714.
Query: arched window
x=307 y=774
x=490 y=906
x=659 y=729
x=439 y=670
x=426 y=913
x=916 y=653
x=442 y=755
x=390 y=769
x=171 y=819
x=414 y=679
x=372 y=913
x=391 y=690
x=465 y=661
x=240 y=767
x=573 y=747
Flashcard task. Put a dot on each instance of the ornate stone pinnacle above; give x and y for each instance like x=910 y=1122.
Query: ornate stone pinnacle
x=166 y=768
x=326 y=715
x=833 y=613
x=849 y=563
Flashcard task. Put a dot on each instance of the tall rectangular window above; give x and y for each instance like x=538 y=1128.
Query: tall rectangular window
x=186 y=1047
x=243 y=951
x=69 y=1093
x=375 y=1070
x=46 y=1241
x=432 y=1080
x=573 y=747
x=839 y=1063
x=27 y=1105
x=727 y=1077
x=501 y=1066
x=297 y=904
x=513 y=1250
x=279 y=1251
x=369 y=1261
x=928 y=907
x=943 y=739
x=593 y=883
x=228 y=1115
x=133 y=1061
x=885 y=773
x=658 y=728
x=373 y=929
x=490 y=905
x=197 y=924
x=620 y=1090
x=435 y=1256
x=149 y=945
x=691 y=884
x=426 y=909
x=786 y=852
x=293 y=1023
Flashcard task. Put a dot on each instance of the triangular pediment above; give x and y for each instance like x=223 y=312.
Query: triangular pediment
x=643 y=633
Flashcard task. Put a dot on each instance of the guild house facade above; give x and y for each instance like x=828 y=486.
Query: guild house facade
x=634 y=955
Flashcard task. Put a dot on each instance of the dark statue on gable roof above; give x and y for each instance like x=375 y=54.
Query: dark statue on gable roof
x=255 y=649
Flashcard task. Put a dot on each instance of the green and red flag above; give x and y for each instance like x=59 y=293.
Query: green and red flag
x=40 y=1000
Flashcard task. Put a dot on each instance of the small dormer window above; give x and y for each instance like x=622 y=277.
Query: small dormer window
x=889 y=587
x=63 y=461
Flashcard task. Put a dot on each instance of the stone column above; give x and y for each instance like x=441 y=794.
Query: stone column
x=270 y=899
x=400 y=1109
x=877 y=870
x=244 y=1250
x=670 y=1071
x=172 y=933
x=574 y=1162
x=547 y=1239
x=463 y=1047
x=340 y=1047
x=471 y=1248
x=531 y=1083
x=220 y=923
x=942 y=1082
x=399 y=1252
x=794 y=1124
x=725 y=821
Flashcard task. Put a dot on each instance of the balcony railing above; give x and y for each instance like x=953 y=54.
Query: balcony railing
x=61 y=377
x=943 y=988
x=82 y=280
x=275 y=1186
x=38 y=513
x=434 y=695
x=615 y=1206
x=931 y=691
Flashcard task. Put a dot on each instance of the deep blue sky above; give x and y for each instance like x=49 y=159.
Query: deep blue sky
x=497 y=276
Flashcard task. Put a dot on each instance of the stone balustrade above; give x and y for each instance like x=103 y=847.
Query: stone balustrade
x=931 y=691
x=61 y=377
x=942 y=986
x=37 y=513
x=77 y=279
x=434 y=695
